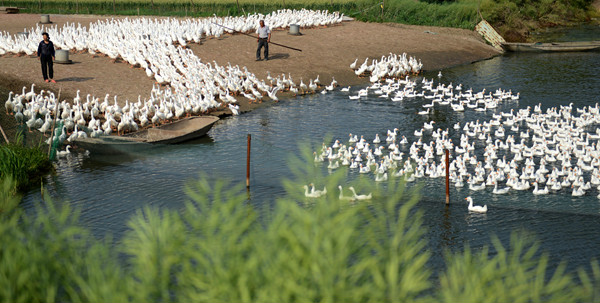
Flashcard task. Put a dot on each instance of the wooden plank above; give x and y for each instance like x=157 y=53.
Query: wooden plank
x=490 y=34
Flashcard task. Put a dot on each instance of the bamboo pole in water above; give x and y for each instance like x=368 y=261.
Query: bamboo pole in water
x=248 y=164
x=447 y=177
x=54 y=122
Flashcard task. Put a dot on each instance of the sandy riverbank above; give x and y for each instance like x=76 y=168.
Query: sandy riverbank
x=326 y=51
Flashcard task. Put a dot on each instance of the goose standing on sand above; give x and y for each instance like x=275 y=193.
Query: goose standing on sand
x=353 y=64
x=9 y=105
x=234 y=109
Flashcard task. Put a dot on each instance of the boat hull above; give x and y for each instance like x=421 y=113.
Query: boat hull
x=552 y=47
x=172 y=133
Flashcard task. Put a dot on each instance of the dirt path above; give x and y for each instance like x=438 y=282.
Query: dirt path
x=325 y=51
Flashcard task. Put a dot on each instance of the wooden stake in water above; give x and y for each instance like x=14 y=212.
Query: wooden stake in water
x=248 y=164
x=447 y=177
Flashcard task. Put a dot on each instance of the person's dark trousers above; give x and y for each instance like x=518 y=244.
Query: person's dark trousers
x=261 y=43
x=47 y=69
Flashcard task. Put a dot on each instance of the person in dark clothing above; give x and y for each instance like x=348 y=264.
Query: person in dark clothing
x=264 y=37
x=45 y=54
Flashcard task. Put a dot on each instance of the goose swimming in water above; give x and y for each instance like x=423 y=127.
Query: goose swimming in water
x=310 y=194
x=476 y=208
x=342 y=197
x=360 y=197
x=317 y=192
x=500 y=191
x=64 y=153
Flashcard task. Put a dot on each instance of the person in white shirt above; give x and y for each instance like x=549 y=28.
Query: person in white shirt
x=264 y=37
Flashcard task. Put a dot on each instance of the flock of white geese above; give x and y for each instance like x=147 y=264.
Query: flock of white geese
x=388 y=83
x=551 y=152
x=159 y=47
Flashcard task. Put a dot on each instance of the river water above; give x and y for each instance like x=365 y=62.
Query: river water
x=109 y=191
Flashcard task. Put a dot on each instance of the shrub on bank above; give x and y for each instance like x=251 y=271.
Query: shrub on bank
x=23 y=164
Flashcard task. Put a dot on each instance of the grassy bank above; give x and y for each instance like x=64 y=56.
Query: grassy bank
x=515 y=19
x=221 y=249
x=512 y=18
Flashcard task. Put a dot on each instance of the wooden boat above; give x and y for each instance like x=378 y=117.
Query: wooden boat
x=578 y=46
x=171 y=133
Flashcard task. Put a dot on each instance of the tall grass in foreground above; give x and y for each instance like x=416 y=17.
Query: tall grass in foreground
x=221 y=249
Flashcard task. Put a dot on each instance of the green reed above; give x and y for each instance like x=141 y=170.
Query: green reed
x=25 y=165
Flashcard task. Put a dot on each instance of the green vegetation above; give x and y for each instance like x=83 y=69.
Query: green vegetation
x=222 y=249
x=514 y=19
x=24 y=165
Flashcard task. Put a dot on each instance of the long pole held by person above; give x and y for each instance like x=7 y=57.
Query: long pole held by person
x=233 y=30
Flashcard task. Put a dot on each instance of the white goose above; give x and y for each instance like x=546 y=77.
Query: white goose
x=342 y=197
x=64 y=153
x=577 y=192
x=309 y=194
x=477 y=208
x=381 y=178
x=537 y=191
x=500 y=191
x=359 y=197
x=353 y=64
x=317 y=192
x=9 y=105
